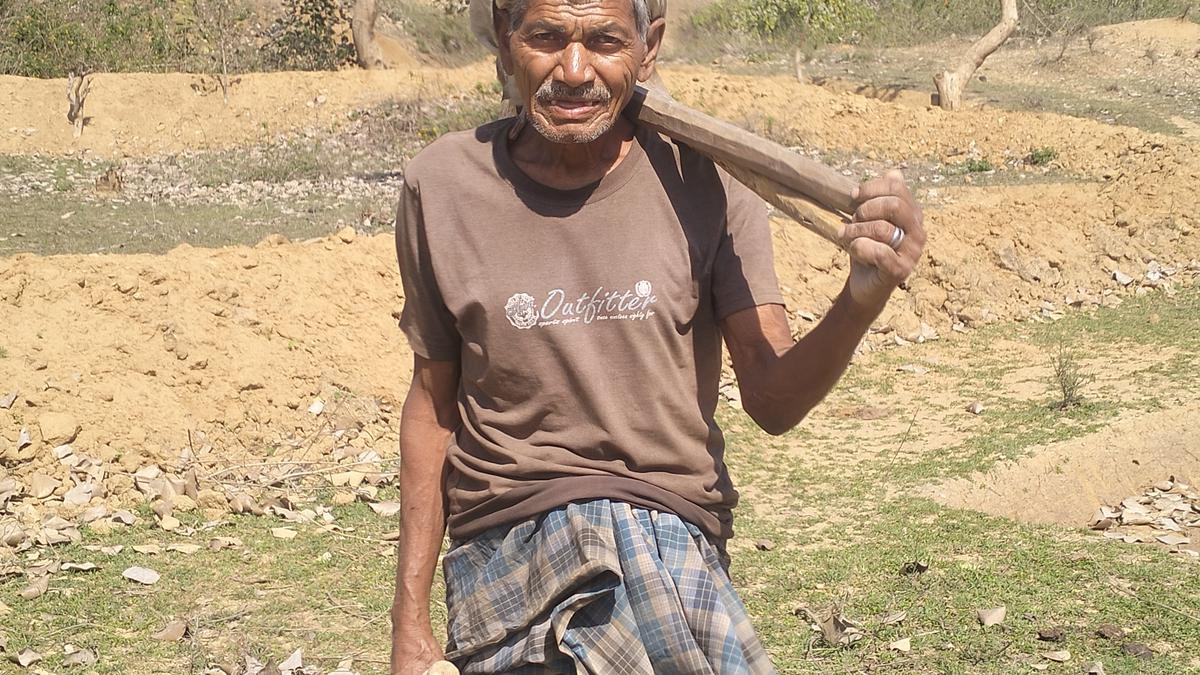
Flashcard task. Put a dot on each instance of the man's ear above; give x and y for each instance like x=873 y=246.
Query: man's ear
x=501 y=23
x=654 y=38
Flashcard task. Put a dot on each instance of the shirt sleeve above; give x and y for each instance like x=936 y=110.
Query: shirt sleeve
x=425 y=319
x=743 y=273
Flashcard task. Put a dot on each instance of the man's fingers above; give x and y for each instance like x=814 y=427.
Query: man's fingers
x=879 y=230
x=892 y=267
x=891 y=183
x=891 y=208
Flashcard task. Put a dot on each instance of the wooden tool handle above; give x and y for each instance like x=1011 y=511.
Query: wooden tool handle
x=731 y=145
x=813 y=216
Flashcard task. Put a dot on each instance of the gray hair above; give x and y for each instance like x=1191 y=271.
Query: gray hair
x=641 y=16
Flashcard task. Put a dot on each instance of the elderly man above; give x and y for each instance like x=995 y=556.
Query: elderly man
x=569 y=278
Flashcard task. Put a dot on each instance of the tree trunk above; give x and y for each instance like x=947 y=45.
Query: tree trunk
x=950 y=84
x=362 y=29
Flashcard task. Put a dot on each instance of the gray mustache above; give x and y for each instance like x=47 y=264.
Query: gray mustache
x=594 y=91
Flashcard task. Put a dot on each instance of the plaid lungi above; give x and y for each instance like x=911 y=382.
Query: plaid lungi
x=599 y=587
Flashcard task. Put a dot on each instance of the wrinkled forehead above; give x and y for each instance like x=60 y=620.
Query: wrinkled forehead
x=522 y=11
x=656 y=8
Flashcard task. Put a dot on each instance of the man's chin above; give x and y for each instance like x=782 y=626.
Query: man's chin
x=572 y=131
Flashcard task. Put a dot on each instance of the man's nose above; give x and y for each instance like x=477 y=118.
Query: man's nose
x=575 y=66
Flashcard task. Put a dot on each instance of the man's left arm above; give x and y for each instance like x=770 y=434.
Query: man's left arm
x=782 y=380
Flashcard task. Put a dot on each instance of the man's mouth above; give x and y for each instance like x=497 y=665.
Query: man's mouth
x=574 y=109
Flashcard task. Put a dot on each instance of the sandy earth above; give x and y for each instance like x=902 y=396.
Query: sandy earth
x=1064 y=483
x=144 y=114
x=217 y=356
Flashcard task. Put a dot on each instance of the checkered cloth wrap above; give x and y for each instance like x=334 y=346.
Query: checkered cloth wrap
x=598 y=587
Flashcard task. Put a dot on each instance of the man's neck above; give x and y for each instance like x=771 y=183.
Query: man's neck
x=567 y=166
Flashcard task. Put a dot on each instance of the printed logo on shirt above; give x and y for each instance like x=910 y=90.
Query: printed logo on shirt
x=558 y=308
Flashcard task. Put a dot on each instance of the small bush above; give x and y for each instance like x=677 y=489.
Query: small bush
x=980 y=165
x=49 y=39
x=805 y=21
x=1042 y=156
x=1068 y=380
x=307 y=36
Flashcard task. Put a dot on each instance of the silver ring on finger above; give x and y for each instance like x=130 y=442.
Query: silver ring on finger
x=897 y=238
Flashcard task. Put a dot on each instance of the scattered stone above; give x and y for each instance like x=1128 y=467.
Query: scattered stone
x=347 y=235
x=1137 y=650
x=1052 y=634
x=975 y=408
x=1122 y=278
x=42 y=486
x=58 y=428
x=1109 y=632
x=764 y=545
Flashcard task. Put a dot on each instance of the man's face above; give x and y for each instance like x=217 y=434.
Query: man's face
x=576 y=63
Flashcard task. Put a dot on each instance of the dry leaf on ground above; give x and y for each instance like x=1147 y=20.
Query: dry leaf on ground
x=283 y=533
x=993 y=616
x=386 y=509
x=893 y=618
x=186 y=549
x=1058 y=656
x=172 y=632
x=80 y=657
x=293 y=662
x=838 y=631
x=25 y=658
x=36 y=588
x=903 y=645
x=142 y=575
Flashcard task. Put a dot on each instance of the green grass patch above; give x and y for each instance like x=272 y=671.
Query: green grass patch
x=1042 y=156
x=327 y=594
x=1044 y=576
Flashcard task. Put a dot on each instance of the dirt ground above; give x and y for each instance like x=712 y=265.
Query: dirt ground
x=245 y=363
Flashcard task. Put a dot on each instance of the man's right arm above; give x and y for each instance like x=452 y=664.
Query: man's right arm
x=429 y=418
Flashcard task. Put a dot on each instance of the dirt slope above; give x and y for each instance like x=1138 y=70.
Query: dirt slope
x=202 y=351
x=132 y=114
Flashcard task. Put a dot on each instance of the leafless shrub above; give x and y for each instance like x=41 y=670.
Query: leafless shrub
x=1152 y=54
x=79 y=85
x=1069 y=379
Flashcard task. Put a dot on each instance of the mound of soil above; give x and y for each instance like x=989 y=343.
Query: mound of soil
x=132 y=114
x=1088 y=481
x=198 y=358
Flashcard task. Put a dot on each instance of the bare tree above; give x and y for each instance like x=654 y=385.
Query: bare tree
x=216 y=25
x=78 y=87
x=362 y=29
x=951 y=83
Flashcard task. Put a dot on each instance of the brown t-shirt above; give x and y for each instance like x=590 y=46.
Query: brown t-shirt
x=586 y=322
